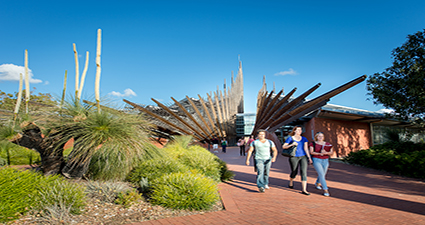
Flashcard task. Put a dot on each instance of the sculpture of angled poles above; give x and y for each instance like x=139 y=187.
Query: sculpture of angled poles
x=274 y=112
x=203 y=119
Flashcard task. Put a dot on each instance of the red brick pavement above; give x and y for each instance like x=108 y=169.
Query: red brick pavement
x=358 y=196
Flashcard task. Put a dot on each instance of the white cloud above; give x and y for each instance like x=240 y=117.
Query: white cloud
x=127 y=93
x=386 y=111
x=46 y=82
x=288 y=72
x=10 y=72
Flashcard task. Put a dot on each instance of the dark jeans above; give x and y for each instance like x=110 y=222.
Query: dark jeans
x=223 y=147
x=296 y=162
x=242 y=150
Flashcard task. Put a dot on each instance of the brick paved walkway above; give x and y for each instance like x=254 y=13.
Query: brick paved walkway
x=358 y=196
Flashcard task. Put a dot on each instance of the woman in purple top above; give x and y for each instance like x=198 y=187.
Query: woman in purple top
x=301 y=158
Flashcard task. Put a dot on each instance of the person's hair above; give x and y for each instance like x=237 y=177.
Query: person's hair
x=293 y=130
x=315 y=136
x=261 y=130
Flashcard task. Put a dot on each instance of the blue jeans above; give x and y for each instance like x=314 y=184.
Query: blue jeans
x=263 y=170
x=321 y=166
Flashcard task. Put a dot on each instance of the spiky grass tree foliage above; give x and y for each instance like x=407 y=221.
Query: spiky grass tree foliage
x=7 y=132
x=116 y=140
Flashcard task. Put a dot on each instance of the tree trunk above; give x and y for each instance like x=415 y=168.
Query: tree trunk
x=51 y=154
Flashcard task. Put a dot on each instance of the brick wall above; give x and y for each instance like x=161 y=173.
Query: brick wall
x=345 y=136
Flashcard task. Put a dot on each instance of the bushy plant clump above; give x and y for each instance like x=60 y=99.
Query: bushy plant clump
x=106 y=191
x=225 y=173
x=184 y=178
x=22 y=191
x=185 y=191
x=128 y=198
x=402 y=158
x=201 y=160
x=59 y=198
x=198 y=158
x=155 y=168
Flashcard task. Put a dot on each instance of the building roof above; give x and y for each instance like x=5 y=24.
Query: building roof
x=338 y=112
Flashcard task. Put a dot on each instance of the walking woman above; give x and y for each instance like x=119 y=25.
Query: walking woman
x=301 y=158
x=320 y=151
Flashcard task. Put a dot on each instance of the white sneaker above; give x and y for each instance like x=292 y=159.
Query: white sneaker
x=326 y=194
x=318 y=187
x=266 y=186
x=261 y=190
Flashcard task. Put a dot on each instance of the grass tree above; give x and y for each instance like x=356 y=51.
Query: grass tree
x=107 y=143
x=117 y=140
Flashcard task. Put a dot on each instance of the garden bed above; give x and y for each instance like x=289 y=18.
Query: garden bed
x=97 y=212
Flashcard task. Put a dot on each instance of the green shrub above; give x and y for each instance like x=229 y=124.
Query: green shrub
x=22 y=191
x=106 y=191
x=203 y=161
x=128 y=198
x=62 y=197
x=402 y=158
x=225 y=173
x=155 y=168
x=184 y=191
x=108 y=165
x=178 y=146
x=18 y=192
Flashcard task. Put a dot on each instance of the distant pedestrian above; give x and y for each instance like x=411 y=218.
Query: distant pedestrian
x=250 y=140
x=321 y=151
x=241 y=144
x=301 y=158
x=223 y=145
x=263 y=159
x=215 y=144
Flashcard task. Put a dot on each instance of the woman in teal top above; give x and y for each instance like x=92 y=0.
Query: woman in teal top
x=301 y=159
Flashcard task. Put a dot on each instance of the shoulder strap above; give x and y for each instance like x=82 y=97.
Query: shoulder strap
x=271 y=146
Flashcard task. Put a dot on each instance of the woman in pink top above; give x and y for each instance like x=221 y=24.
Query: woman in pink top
x=320 y=151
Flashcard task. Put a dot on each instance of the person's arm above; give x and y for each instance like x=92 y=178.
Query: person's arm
x=312 y=151
x=274 y=153
x=307 y=153
x=331 y=151
x=248 y=156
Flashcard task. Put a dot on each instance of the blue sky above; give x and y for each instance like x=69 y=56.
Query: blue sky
x=162 y=49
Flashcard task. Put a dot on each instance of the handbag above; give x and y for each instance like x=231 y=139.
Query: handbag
x=289 y=152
